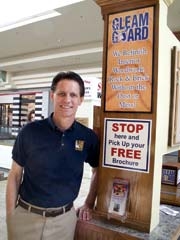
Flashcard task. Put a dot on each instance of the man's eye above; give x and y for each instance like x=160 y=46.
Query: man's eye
x=73 y=95
x=61 y=94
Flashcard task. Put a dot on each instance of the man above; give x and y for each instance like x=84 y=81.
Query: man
x=48 y=157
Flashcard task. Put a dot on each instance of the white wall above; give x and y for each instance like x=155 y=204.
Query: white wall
x=5 y=156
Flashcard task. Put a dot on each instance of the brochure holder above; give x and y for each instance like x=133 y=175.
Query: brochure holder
x=119 y=199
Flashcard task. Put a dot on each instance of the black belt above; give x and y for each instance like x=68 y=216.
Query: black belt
x=45 y=212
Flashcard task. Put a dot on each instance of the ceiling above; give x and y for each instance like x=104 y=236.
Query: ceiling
x=70 y=41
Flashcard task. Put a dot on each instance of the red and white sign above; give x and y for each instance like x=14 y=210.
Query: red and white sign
x=93 y=88
x=127 y=144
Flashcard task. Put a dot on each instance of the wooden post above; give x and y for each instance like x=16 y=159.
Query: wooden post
x=129 y=99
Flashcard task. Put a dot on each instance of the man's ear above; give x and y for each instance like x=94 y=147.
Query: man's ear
x=51 y=95
x=81 y=100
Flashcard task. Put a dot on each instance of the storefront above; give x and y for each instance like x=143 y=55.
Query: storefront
x=15 y=107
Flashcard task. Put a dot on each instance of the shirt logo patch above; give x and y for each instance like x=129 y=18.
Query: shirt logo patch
x=79 y=145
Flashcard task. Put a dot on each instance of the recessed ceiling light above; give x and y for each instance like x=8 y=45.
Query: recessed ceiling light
x=32 y=19
x=25 y=12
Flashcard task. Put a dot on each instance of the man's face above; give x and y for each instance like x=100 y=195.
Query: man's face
x=66 y=98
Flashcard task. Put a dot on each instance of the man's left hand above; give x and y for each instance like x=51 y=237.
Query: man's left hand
x=84 y=213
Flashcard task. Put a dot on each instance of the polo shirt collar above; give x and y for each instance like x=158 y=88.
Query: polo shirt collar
x=54 y=127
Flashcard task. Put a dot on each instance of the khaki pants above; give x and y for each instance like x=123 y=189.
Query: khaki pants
x=22 y=224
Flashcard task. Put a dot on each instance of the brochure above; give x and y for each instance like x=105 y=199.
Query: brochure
x=119 y=197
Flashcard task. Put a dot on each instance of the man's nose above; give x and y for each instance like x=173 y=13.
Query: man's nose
x=67 y=98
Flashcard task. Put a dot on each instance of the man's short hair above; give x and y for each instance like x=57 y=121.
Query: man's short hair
x=72 y=76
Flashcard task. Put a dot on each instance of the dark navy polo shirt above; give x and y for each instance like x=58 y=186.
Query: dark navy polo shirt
x=53 y=161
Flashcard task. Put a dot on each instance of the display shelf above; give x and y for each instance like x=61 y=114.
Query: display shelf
x=170 y=194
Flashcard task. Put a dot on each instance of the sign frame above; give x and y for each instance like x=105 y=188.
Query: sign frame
x=132 y=137
x=129 y=92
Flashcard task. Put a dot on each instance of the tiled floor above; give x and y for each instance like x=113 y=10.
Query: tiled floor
x=3 y=234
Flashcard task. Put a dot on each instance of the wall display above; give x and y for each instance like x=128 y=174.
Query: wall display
x=171 y=173
x=174 y=126
x=129 y=61
x=127 y=144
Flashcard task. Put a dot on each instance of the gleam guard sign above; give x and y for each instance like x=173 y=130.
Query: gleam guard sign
x=129 y=61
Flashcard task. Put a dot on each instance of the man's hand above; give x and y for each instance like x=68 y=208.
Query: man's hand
x=84 y=213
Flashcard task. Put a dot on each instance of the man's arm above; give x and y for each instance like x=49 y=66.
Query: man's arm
x=85 y=212
x=13 y=183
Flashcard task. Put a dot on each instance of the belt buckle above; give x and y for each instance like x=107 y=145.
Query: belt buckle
x=53 y=213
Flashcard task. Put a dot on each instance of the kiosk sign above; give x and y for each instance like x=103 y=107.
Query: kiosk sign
x=127 y=144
